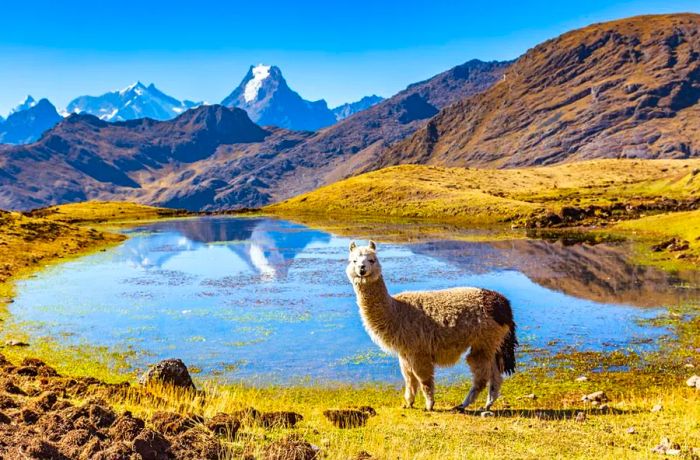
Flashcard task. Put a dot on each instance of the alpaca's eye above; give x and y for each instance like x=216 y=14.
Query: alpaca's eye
x=371 y=261
x=354 y=261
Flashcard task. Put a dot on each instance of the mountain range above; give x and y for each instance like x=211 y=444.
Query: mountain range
x=626 y=88
x=345 y=110
x=134 y=101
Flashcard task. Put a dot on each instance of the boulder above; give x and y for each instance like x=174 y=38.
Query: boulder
x=170 y=371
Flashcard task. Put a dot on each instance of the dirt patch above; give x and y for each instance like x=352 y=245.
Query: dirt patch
x=281 y=419
x=292 y=447
x=347 y=418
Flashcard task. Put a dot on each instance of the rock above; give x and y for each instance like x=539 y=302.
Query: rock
x=346 y=418
x=666 y=447
x=170 y=371
x=580 y=417
x=597 y=396
x=657 y=408
x=583 y=378
x=532 y=396
x=693 y=381
x=603 y=407
x=487 y=413
x=16 y=343
x=631 y=430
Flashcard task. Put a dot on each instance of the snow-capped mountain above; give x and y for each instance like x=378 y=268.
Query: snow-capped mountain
x=28 y=124
x=134 y=101
x=343 y=111
x=264 y=94
x=28 y=103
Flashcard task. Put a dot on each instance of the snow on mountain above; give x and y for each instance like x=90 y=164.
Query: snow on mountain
x=28 y=103
x=268 y=100
x=135 y=101
x=345 y=110
x=260 y=73
x=26 y=125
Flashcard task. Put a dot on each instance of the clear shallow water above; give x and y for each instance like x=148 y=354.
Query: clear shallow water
x=267 y=300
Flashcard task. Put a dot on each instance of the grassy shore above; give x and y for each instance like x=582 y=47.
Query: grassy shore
x=538 y=415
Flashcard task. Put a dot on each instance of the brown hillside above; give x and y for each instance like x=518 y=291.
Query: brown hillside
x=622 y=89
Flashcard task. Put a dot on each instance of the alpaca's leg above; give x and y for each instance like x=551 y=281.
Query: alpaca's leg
x=411 y=382
x=425 y=373
x=494 y=385
x=480 y=365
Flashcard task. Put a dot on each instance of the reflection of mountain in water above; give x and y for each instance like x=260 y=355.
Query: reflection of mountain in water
x=267 y=246
x=602 y=272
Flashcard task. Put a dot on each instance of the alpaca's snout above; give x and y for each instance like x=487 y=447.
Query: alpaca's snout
x=363 y=271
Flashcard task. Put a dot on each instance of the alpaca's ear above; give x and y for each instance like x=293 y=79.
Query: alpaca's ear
x=353 y=245
x=372 y=245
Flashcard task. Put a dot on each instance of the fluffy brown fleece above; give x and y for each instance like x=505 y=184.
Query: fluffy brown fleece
x=432 y=328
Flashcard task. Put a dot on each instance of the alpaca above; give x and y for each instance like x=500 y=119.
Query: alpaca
x=434 y=328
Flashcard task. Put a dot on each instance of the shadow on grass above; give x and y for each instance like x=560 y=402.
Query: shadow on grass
x=544 y=414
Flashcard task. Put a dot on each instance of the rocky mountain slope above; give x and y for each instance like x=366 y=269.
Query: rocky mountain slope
x=200 y=165
x=27 y=123
x=268 y=100
x=134 y=101
x=348 y=146
x=345 y=110
x=622 y=89
x=84 y=157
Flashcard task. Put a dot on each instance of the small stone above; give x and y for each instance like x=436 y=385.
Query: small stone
x=16 y=343
x=530 y=396
x=580 y=417
x=693 y=381
x=487 y=413
x=657 y=408
x=583 y=378
x=597 y=396
x=631 y=430
x=170 y=371
x=667 y=447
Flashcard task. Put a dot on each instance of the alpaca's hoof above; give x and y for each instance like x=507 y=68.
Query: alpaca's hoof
x=460 y=409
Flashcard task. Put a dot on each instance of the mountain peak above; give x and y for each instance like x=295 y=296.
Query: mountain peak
x=27 y=103
x=137 y=87
x=268 y=100
x=259 y=73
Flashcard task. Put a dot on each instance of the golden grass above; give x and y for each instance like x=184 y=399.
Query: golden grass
x=104 y=211
x=483 y=196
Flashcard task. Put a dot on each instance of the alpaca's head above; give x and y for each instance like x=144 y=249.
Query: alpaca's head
x=363 y=264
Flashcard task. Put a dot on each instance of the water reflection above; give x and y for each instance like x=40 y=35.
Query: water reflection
x=267 y=300
x=262 y=245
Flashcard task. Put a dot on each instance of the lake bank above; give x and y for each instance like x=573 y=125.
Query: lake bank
x=634 y=384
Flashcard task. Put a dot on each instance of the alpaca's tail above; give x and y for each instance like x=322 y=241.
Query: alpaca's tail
x=505 y=356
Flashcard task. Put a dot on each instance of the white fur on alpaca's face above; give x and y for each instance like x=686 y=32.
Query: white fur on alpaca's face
x=363 y=264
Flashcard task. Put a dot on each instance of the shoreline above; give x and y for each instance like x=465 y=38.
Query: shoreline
x=545 y=397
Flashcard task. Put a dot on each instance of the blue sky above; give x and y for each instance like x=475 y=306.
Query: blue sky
x=339 y=51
